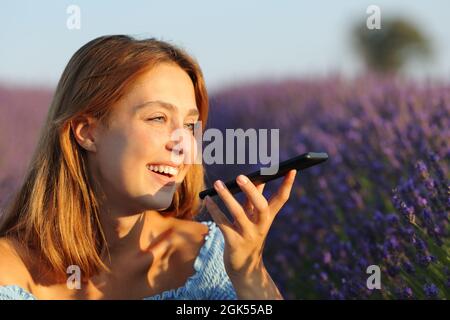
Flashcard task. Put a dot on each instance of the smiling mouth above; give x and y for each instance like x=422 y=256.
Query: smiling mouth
x=165 y=174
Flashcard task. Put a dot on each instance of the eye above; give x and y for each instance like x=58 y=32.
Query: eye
x=159 y=119
x=191 y=126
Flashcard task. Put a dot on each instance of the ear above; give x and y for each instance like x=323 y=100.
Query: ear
x=86 y=132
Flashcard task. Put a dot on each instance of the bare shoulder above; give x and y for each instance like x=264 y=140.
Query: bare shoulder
x=13 y=270
x=196 y=229
x=192 y=237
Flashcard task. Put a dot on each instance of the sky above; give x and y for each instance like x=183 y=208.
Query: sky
x=234 y=41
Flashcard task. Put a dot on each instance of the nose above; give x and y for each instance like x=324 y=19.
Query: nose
x=176 y=147
x=181 y=144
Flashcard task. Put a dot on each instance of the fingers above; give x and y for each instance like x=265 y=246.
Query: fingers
x=245 y=215
x=232 y=205
x=260 y=187
x=282 y=195
x=248 y=206
x=251 y=191
x=219 y=217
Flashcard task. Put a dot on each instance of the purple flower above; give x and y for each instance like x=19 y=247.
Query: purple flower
x=327 y=257
x=392 y=219
x=408 y=267
x=362 y=263
x=422 y=169
x=426 y=215
x=431 y=290
x=378 y=217
x=420 y=244
x=323 y=276
x=393 y=242
x=425 y=259
x=406 y=293
x=393 y=270
x=422 y=202
x=336 y=295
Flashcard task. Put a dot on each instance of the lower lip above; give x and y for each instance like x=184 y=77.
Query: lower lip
x=164 y=179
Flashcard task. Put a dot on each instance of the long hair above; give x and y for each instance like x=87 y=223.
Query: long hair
x=56 y=210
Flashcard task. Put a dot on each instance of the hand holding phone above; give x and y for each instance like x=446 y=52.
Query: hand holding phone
x=300 y=162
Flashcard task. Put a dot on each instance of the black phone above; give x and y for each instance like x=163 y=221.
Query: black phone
x=300 y=162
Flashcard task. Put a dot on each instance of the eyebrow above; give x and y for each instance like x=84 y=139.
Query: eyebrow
x=166 y=105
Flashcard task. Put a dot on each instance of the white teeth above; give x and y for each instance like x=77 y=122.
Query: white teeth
x=163 y=169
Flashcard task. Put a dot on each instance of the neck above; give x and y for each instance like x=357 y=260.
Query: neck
x=130 y=232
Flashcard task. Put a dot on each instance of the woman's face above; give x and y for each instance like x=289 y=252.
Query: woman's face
x=141 y=137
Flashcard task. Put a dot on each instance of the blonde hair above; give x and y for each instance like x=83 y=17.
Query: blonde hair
x=56 y=210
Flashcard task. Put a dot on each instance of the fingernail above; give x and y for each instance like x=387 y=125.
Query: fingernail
x=219 y=185
x=242 y=179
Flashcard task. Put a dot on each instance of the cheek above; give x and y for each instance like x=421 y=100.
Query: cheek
x=191 y=149
x=111 y=152
x=125 y=151
x=143 y=141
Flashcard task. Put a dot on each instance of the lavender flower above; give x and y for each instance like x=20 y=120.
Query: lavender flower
x=431 y=290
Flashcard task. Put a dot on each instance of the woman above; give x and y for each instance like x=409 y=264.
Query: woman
x=107 y=207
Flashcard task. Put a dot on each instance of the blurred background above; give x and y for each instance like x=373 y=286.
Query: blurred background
x=377 y=100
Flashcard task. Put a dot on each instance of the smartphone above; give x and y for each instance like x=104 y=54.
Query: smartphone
x=300 y=162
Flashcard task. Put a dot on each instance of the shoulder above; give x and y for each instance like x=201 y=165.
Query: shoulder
x=206 y=237
x=13 y=270
x=191 y=226
x=200 y=242
x=192 y=233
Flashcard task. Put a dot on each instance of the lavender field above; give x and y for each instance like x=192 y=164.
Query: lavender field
x=381 y=199
x=22 y=112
